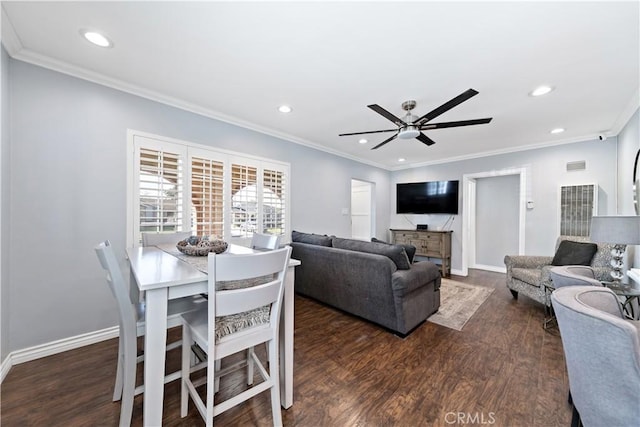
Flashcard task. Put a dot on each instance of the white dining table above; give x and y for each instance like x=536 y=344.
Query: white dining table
x=163 y=276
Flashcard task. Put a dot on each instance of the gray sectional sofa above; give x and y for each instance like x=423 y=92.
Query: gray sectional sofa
x=372 y=280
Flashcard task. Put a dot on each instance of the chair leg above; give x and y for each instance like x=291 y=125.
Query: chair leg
x=117 y=389
x=128 y=379
x=514 y=293
x=250 y=353
x=575 y=418
x=218 y=365
x=186 y=359
x=210 y=390
x=274 y=374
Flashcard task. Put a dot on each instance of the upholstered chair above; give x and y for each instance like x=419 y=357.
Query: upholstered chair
x=527 y=274
x=602 y=353
x=573 y=275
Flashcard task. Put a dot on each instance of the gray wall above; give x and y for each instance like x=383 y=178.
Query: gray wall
x=494 y=216
x=628 y=145
x=4 y=207
x=546 y=172
x=68 y=191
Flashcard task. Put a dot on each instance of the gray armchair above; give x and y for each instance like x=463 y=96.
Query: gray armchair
x=573 y=275
x=528 y=274
x=602 y=352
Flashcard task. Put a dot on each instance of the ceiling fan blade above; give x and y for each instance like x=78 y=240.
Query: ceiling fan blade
x=371 y=131
x=455 y=124
x=384 y=113
x=425 y=139
x=385 y=141
x=446 y=106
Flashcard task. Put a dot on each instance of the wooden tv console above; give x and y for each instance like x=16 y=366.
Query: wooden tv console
x=432 y=244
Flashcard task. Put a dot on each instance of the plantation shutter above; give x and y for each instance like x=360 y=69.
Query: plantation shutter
x=207 y=197
x=160 y=190
x=273 y=202
x=244 y=200
x=180 y=186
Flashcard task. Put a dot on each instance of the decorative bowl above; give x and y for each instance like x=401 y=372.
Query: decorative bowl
x=197 y=246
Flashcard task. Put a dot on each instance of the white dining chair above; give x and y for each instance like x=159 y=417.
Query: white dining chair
x=265 y=241
x=155 y=238
x=131 y=319
x=236 y=319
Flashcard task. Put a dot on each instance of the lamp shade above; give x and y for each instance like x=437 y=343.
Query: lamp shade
x=624 y=230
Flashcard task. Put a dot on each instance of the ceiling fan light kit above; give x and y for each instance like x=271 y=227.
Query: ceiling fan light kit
x=411 y=126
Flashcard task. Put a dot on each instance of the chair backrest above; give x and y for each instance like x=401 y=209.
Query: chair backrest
x=267 y=268
x=573 y=275
x=265 y=241
x=602 y=257
x=118 y=286
x=602 y=352
x=152 y=239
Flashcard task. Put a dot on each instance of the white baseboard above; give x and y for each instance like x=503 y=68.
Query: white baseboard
x=6 y=367
x=490 y=268
x=55 y=347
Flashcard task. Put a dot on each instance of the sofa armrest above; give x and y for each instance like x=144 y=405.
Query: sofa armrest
x=527 y=261
x=420 y=273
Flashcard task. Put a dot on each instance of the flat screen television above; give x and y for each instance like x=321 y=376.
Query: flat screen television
x=434 y=197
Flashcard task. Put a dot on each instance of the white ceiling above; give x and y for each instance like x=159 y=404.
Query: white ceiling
x=238 y=61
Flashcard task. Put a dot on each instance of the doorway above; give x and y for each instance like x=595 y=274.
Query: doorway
x=493 y=226
x=362 y=213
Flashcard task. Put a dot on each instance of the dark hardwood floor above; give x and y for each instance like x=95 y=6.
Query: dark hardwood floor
x=503 y=369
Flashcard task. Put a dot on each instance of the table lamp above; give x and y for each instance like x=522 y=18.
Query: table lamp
x=619 y=230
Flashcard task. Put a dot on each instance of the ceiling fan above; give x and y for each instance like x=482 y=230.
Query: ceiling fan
x=411 y=126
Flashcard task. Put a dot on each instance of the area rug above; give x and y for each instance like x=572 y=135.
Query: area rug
x=458 y=302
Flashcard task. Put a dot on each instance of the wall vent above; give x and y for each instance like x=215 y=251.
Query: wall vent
x=578 y=203
x=576 y=166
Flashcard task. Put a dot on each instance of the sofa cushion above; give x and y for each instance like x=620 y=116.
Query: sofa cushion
x=396 y=253
x=310 y=238
x=409 y=249
x=574 y=253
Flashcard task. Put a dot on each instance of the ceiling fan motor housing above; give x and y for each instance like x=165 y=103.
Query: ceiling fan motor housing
x=409 y=132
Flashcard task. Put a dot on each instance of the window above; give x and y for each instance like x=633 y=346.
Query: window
x=176 y=186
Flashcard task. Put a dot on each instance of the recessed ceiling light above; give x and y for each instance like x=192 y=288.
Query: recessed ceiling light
x=557 y=130
x=541 y=90
x=96 y=38
x=363 y=141
x=284 y=109
x=401 y=159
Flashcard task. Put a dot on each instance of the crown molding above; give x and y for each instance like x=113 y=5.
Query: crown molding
x=534 y=146
x=10 y=39
x=630 y=109
x=19 y=53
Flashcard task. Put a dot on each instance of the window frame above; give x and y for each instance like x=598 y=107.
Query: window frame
x=189 y=150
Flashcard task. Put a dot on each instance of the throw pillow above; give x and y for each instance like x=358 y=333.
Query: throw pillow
x=574 y=253
x=395 y=253
x=409 y=249
x=310 y=238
